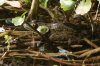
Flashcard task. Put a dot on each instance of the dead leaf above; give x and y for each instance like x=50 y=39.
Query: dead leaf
x=83 y=7
x=14 y=4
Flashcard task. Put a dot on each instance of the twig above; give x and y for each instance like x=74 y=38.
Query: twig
x=91 y=23
x=49 y=12
x=4 y=33
x=34 y=30
x=56 y=60
x=90 y=43
x=3 y=56
x=33 y=10
x=96 y=58
x=90 y=52
x=80 y=52
x=97 y=11
x=36 y=52
x=65 y=62
x=49 y=57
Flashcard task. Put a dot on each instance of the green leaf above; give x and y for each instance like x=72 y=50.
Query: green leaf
x=83 y=7
x=27 y=1
x=7 y=38
x=67 y=4
x=43 y=3
x=55 y=65
x=2 y=2
x=18 y=20
x=98 y=1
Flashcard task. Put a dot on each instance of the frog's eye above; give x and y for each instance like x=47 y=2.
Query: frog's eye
x=43 y=29
x=2 y=29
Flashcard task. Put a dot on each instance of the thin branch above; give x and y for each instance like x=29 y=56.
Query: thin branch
x=33 y=10
x=90 y=52
x=97 y=12
x=90 y=43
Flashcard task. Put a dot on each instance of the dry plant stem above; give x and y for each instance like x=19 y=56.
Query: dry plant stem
x=80 y=52
x=34 y=52
x=21 y=33
x=93 y=58
x=90 y=52
x=34 y=30
x=49 y=12
x=91 y=23
x=5 y=33
x=97 y=11
x=47 y=56
x=63 y=62
x=56 y=60
x=34 y=63
x=3 y=56
x=34 y=56
x=33 y=10
x=74 y=61
x=90 y=43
